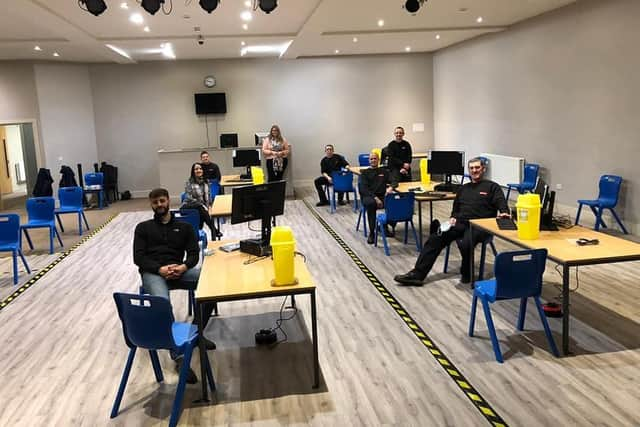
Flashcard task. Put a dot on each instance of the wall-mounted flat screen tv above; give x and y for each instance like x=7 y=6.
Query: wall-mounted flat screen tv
x=211 y=103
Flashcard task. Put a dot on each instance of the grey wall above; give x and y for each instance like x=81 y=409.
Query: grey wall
x=562 y=90
x=353 y=102
x=18 y=99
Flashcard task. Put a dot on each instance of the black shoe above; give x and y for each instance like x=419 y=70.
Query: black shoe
x=322 y=203
x=191 y=376
x=390 y=232
x=342 y=202
x=370 y=239
x=218 y=234
x=410 y=279
x=208 y=344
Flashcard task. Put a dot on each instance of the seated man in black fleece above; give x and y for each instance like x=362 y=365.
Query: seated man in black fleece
x=375 y=183
x=477 y=199
x=331 y=162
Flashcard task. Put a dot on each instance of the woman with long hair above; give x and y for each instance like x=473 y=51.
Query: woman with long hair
x=276 y=150
x=197 y=196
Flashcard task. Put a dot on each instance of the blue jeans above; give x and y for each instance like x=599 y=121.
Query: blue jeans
x=155 y=284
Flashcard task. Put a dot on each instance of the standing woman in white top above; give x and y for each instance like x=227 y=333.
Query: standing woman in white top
x=276 y=150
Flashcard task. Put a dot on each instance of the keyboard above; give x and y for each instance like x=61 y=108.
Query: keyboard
x=506 y=224
x=240 y=180
x=230 y=247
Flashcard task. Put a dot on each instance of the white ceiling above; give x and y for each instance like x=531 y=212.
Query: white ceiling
x=315 y=27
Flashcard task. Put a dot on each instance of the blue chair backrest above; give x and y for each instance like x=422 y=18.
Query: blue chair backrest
x=342 y=181
x=519 y=273
x=530 y=174
x=363 y=160
x=399 y=206
x=9 y=228
x=190 y=216
x=70 y=197
x=146 y=320
x=94 y=178
x=41 y=208
x=609 y=188
x=214 y=189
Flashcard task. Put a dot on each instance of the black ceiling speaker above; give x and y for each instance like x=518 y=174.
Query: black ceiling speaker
x=151 y=6
x=94 y=7
x=412 y=6
x=268 y=6
x=209 y=5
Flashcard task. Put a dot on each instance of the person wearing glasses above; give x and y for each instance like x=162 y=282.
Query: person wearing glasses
x=479 y=198
x=331 y=162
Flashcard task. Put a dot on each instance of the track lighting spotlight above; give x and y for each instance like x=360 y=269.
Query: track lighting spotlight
x=209 y=5
x=94 y=7
x=412 y=6
x=151 y=6
x=268 y=6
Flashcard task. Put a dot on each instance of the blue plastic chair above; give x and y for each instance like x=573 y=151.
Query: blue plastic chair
x=94 y=183
x=483 y=255
x=10 y=241
x=529 y=181
x=40 y=211
x=398 y=207
x=71 y=199
x=518 y=275
x=192 y=216
x=148 y=323
x=214 y=189
x=363 y=159
x=362 y=215
x=609 y=189
x=343 y=183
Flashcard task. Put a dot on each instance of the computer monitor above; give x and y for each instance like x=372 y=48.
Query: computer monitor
x=246 y=158
x=446 y=163
x=228 y=140
x=253 y=202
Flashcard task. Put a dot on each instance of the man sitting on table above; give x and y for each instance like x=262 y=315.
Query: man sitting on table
x=479 y=198
x=375 y=184
x=331 y=162
x=159 y=248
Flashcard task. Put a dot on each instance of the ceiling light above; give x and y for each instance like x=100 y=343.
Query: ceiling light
x=38 y=48
x=209 y=5
x=247 y=3
x=94 y=7
x=123 y=5
x=412 y=6
x=245 y=27
x=136 y=18
x=407 y=49
x=151 y=6
x=355 y=40
x=437 y=36
x=337 y=51
x=56 y=54
x=242 y=43
x=146 y=29
x=246 y=15
x=266 y=48
x=118 y=51
x=380 y=22
x=267 y=6
x=167 y=51
x=479 y=19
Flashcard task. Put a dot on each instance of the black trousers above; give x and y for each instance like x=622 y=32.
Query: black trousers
x=370 y=207
x=396 y=176
x=436 y=243
x=274 y=175
x=322 y=195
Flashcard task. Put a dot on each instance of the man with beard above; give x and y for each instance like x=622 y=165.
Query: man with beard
x=159 y=249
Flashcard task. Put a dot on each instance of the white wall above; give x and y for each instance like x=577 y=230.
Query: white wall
x=561 y=90
x=66 y=116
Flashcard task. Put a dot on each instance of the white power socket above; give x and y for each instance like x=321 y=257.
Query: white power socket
x=558 y=186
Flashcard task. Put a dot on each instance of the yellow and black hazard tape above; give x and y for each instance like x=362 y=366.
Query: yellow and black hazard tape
x=29 y=283
x=454 y=373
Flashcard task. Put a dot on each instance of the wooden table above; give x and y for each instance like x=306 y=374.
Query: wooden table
x=221 y=208
x=563 y=249
x=233 y=181
x=420 y=155
x=226 y=277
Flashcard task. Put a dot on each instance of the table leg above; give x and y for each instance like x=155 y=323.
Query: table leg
x=420 y=223
x=471 y=256
x=314 y=335
x=565 y=309
x=430 y=211
x=203 y=353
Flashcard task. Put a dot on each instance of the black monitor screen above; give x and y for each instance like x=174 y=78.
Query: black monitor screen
x=211 y=103
x=246 y=158
x=254 y=202
x=228 y=140
x=446 y=163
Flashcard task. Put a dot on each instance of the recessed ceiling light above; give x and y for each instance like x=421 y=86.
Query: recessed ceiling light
x=380 y=22
x=266 y=48
x=242 y=43
x=136 y=18
x=146 y=29
x=246 y=15
x=337 y=51
x=479 y=19
x=247 y=3
x=124 y=5
x=355 y=40
x=437 y=36
x=167 y=51
x=118 y=51
x=245 y=27
x=56 y=54
x=38 y=48
x=407 y=49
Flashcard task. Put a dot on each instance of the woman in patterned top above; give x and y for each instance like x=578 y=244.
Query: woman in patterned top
x=276 y=150
x=197 y=196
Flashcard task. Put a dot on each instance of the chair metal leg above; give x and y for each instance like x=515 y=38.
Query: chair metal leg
x=598 y=214
x=406 y=232
x=85 y=221
x=55 y=231
x=26 y=234
x=177 y=402
x=472 y=318
x=522 y=313
x=155 y=362
x=483 y=256
x=212 y=383
x=123 y=383
x=24 y=261
x=60 y=222
x=446 y=258
x=415 y=236
x=493 y=248
x=615 y=216
x=492 y=330
x=547 y=330
x=191 y=301
x=578 y=214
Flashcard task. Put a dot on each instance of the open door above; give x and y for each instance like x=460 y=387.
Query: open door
x=5 y=175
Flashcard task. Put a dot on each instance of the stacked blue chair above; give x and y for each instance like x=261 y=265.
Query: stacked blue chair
x=609 y=189
x=10 y=241
x=483 y=255
x=71 y=199
x=94 y=184
x=343 y=183
x=363 y=159
x=529 y=181
x=518 y=275
x=41 y=214
x=398 y=207
x=148 y=323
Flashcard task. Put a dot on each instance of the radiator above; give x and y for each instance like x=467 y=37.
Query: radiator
x=504 y=169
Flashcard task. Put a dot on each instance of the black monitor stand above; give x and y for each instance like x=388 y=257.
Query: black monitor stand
x=247 y=175
x=447 y=185
x=261 y=246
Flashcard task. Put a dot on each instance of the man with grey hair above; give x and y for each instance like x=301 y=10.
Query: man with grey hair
x=479 y=198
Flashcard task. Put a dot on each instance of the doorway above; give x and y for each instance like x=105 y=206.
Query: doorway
x=18 y=163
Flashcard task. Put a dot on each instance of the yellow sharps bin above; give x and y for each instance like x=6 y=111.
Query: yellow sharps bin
x=257 y=175
x=528 y=208
x=425 y=178
x=283 y=248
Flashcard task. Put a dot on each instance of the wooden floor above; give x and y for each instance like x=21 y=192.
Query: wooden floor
x=63 y=351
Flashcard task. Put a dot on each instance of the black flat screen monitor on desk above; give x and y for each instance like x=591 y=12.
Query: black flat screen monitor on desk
x=246 y=158
x=447 y=163
x=258 y=202
x=228 y=140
